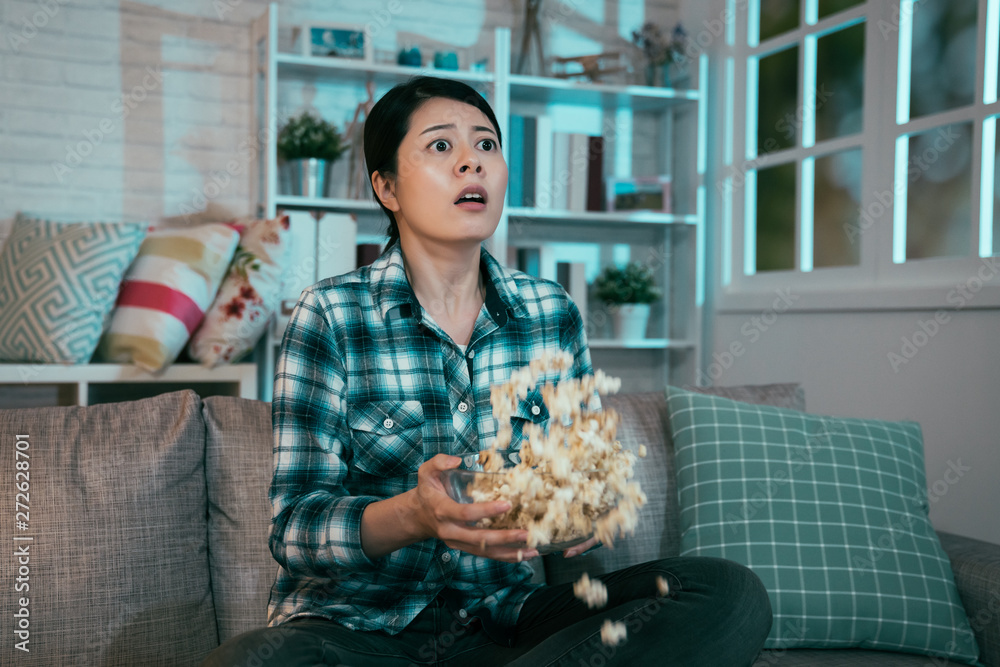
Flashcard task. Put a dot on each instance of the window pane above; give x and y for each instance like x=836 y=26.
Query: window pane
x=996 y=200
x=777 y=97
x=943 y=74
x=840 y=82
x=778 y=16
x=776 y=218
x=827 y=7
x=837 y=198
x=939 y=193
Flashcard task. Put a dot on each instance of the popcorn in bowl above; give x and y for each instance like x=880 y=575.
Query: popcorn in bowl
x=573 y=478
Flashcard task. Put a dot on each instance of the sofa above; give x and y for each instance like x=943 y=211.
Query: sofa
x=141 y=537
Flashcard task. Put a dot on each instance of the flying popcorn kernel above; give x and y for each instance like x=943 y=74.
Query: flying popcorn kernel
x=591 y=591
x=612 y=633
x=573 y=477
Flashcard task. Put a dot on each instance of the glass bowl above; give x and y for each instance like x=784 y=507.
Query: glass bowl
x=456 y=483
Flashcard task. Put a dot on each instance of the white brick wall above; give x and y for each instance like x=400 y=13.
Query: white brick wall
x=132 y=110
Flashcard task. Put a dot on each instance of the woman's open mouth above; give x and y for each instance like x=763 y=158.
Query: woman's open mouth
x=472 y=198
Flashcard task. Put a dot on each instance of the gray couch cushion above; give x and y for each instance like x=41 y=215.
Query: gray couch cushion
x=238 y=469
x=644 y=421
x=118 y=568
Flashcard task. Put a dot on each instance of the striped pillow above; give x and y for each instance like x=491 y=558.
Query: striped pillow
x=165 y=294
x=58 y=283
x=830 y=513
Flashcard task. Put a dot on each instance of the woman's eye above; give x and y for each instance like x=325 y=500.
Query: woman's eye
x=440 y=145
x=487 y=144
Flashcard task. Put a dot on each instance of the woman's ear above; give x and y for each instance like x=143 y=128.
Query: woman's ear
x=385 y=189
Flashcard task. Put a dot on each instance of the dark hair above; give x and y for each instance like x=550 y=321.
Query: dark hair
x=389 y=121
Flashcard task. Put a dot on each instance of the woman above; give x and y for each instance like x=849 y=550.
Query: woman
x=383 y=382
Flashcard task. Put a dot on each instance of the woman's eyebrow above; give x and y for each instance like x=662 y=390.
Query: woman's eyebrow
x=451 y=126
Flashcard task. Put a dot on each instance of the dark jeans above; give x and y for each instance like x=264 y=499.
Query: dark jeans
x=717 y=613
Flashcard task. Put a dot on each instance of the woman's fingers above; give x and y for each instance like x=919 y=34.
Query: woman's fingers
x=580 y=548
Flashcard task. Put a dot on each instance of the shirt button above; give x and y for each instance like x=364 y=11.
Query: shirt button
x=388 y=423
x=535 y=410
x=462 y=613
x=472 y=354
x=446 y=557
x=463 y=407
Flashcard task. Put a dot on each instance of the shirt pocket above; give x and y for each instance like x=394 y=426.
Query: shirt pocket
x=530 y=410
x=387 y=437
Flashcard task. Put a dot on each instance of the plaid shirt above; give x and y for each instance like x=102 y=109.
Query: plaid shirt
x=368 y=387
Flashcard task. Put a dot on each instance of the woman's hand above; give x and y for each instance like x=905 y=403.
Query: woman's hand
x=449 y=521
x=580 y=548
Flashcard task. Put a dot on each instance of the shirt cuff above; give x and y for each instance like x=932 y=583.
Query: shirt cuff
x=344 y=534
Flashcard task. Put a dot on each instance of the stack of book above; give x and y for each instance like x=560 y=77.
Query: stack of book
x=552 y=170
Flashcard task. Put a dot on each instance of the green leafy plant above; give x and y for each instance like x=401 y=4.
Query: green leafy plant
x=307 y=136
x=632 y=284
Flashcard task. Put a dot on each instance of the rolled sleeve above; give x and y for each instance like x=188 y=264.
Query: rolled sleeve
x=316 y=524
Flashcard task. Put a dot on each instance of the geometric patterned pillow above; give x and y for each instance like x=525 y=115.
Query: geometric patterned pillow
x=165 y=294
x=248 y=296
x=58 y=283
x=830 y=513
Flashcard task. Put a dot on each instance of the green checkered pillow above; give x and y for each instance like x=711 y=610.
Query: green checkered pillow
x=832 y=516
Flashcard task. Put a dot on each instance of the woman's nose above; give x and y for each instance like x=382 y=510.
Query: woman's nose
x=469 y=160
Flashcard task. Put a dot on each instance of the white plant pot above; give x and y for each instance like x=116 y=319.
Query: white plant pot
x=630 y=320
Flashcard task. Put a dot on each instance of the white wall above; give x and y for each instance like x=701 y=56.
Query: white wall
x=136 y=109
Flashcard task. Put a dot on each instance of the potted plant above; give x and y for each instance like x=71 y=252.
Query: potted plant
x=308 y=146
x=660 y=51
x=631 y=289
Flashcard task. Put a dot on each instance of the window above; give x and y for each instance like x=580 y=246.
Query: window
x=861 y=142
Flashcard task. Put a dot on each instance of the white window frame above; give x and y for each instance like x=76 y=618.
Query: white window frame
x=877 y=282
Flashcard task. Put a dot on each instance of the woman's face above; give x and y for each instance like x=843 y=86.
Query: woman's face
x=451 y=176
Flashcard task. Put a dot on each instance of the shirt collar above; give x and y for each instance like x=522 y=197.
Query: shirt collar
x=391 y=289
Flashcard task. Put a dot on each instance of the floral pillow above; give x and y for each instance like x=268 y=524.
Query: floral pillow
x=249 y=294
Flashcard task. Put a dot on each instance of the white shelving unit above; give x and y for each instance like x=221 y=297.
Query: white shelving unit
x=676 y=118
x=83 y=384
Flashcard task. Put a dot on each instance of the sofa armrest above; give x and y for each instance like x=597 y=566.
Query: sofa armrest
x=977 y=573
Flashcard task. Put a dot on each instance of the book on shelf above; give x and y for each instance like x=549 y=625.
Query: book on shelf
x=549 y=170
x=595 y=173
x=336 y=238
x=573 y=277
x=537 y=261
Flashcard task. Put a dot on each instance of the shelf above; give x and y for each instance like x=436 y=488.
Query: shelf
x=601 y=217
x=233 y=379
x=548 y=90
x=353 y=71
x=640 y=344
x=647 y=129
x=325 y=203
